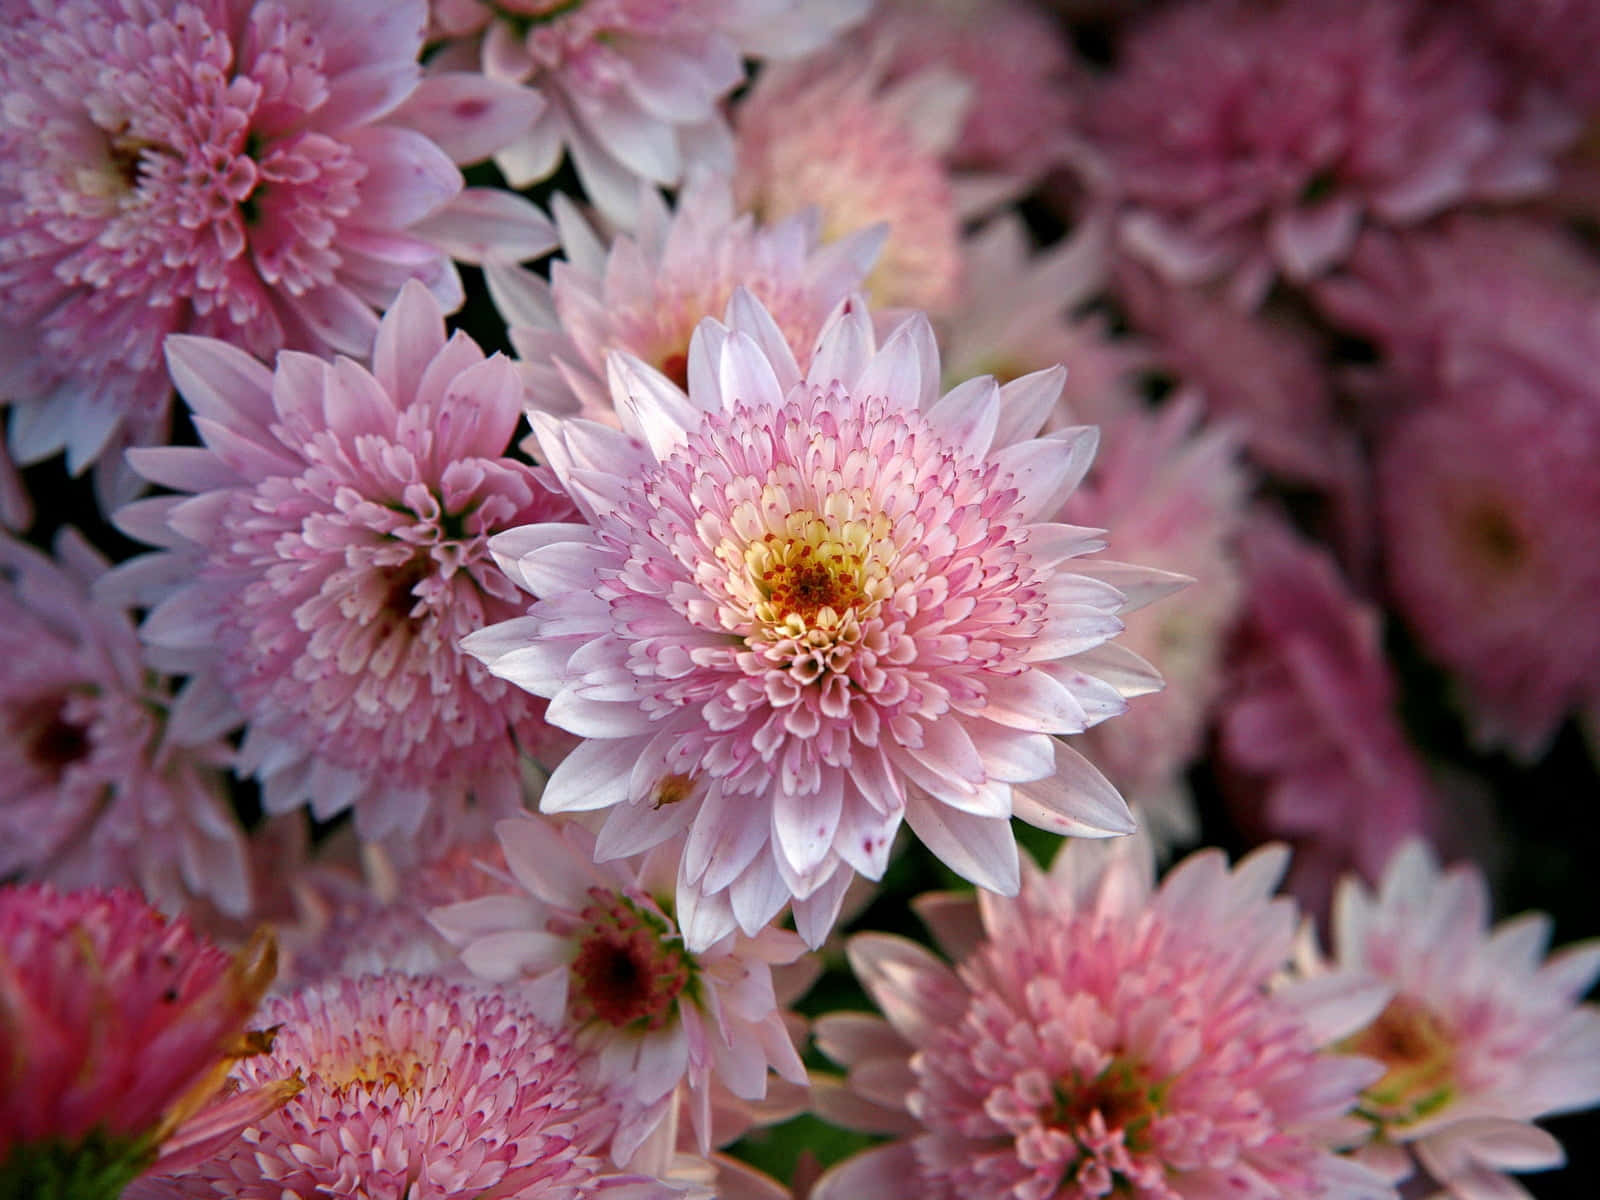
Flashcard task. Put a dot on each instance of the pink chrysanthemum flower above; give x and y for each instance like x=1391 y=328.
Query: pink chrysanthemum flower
x=808 y=607
x=1021 y=311
x=117 y=1028
x=1483 y=1035
x=110 y=779
x=1302 y=121
x=248 y=171
x=1026 y=83
x=632 y=87
x=831 y=133
x=416 y=1089
x=333 y=555
x=1309 y=736
x=1100 y=1036
x=1489 y=501
x=646 y=292
x=1173 y=491
x=600 y=950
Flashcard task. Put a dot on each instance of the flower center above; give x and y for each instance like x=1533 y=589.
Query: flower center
x=1420 y=1053
x=808 y=574
x=631 y=966
x=1491 y=538
x=51 y=741
x=378 y=1068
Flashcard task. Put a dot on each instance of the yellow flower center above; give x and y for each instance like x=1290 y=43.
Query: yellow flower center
x=1419 y=1051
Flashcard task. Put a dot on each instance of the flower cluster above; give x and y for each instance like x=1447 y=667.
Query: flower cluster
x=601 y=508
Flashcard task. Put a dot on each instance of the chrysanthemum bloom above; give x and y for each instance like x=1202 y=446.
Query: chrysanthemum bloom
x=1488 y=501
x=632 y=87
x=117 y=1028
x=110 y=779
x=807 y=607
x=333 y=555
x=831 y=133
x=253 y=172
x=1309 y=736
x=646 y=292
x=1173 y=491
x=600 y=950
x=1019 y=311
x=416 y=1089
x=1026 y=83
x=1100 y=1036
x=1483 y=1036
x=1301 y=122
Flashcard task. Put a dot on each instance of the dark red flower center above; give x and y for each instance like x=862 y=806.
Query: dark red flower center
x=631 y=966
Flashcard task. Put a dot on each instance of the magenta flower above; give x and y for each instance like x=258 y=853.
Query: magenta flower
x=333 y=555
x=647 y=291
x=1302 y=122
x=1556 y=42
x=808 y=607
x=631 y=88
x=1485 y=499
x=416 y=1089
x=599 y=951
x=116 y=1027
x=237 y=170
x=110 y=778
x=1488 y=501
x=1309 y=735
x=1484 y=1034
x=1100 y=1035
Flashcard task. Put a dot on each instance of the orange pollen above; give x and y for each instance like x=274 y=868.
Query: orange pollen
x=1419 y=1051
x=804 y=587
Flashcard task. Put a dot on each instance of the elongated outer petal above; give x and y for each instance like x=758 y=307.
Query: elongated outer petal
x=1075 y=800
x=980 y=849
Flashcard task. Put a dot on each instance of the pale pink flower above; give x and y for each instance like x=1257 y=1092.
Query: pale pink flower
x=1303 y=121
x=1310 y=740
x=808 y=607
x=832 y=133
x=1483 y=1036
x=1020 y=311
x=647 y=290
x=417 y=1089
x=1027 y=85
x=116 y=1030
x=248 y=171
x=110 y=777
x=598 y=949
x=1099 y=1035
x=632 y=88
x=333 y=555
x=1173 y=491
